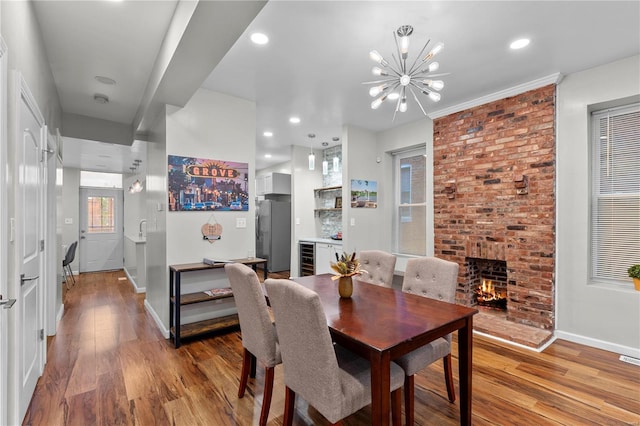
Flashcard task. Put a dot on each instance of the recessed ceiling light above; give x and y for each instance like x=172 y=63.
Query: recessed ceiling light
x=267 y=156
x=520 y=43
x=268 y=134
x=259 y=38
x=105 y=80
x=294 y=120
x=100 y=98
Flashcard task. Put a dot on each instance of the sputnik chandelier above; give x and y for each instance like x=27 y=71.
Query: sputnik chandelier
x=401 y=78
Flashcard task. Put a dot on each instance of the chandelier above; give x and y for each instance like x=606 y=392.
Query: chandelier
x=401 y=80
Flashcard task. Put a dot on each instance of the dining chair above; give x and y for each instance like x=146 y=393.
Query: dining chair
x=437 y=279
x=259 y=338
x=379 y=266
x=69 y=256
x=333 y=380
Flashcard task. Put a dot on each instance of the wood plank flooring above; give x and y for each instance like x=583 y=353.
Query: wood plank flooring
x=108 y=364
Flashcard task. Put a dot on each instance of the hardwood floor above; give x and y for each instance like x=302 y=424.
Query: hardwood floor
x=108 y=364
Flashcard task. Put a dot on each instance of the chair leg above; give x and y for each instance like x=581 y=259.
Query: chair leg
x=244 y=374
x=289 y=403
x=71 y=273
x=268 y=392
x=408 y=400
x=396 y=407
x=448 y=378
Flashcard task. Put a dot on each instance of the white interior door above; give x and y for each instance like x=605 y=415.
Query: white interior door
x=31 y=345
x=101 y=229
x=4 y=237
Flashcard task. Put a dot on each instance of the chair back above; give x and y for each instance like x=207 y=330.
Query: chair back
x=431 y=277
x=308 y=356
x=70 y=254
x=379 y=265
x=258 y=333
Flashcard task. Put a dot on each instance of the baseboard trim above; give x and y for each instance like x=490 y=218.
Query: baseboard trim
x=134 y=284
x=597 y=343
x=156 y=318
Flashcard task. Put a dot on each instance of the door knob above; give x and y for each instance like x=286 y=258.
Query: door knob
x=82 y=237
x=7 y=303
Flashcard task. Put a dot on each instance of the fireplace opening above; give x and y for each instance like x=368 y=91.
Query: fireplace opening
x=488 y=282
x=486 y=295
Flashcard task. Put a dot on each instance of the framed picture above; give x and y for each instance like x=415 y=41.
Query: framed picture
x=364 y=194
x=198 y=184
x=338 y=204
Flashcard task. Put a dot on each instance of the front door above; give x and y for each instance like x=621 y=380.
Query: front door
x=101 y=229
x=29 y=313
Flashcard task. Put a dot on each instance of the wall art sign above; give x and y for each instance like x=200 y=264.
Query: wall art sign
x=198 y=184
x=364 y=193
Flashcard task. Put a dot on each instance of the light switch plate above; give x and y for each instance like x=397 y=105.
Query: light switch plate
x=68 y=221
x=353 y=221
x=241 y=222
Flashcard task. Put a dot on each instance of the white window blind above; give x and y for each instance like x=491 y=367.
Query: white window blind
x=615 y=201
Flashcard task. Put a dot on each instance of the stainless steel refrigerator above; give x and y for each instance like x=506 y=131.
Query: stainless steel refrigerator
x=273 y=234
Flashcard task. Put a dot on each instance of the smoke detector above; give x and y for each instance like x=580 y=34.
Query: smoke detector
x=100 y=98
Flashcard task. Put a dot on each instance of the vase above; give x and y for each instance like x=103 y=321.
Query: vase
x=636 y=283
x=345 y=287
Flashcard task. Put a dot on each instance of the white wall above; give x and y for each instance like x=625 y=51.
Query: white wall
x=303 y=182
x=417 y=133
x=589 y=312
x=359 y=154
x=212 y=126
x=71 y=212
x=157 y=285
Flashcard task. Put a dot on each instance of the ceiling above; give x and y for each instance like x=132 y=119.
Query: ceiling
x=318 y=56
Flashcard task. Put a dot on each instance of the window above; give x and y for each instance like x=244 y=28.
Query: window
x=100 y=215
x=615 y=200
x=100 y=180
x=411 y=188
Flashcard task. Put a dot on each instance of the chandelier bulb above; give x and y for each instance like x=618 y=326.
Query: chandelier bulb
x=378 y=71
x=436 y=49
x=434 y=84
x=434 y=96
x=376 y=56
x=433 y=66
x=403 y=105
x=376 y=103
x=376 y=90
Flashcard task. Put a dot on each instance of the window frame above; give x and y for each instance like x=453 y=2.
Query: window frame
x=596 y=246
x=398 y=156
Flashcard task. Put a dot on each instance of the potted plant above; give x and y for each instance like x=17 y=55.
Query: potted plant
x=634 y=272
x=346 y=266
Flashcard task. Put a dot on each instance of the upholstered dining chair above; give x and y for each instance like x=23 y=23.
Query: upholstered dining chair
x=333 y=380
x=379 y=265
x=437 y=279
x=259 y=338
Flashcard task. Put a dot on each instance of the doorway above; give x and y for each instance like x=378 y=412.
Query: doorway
x=101 y=245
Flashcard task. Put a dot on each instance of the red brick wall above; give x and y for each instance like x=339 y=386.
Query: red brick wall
x=483 y=149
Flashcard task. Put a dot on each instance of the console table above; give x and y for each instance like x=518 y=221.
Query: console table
x=177 y=330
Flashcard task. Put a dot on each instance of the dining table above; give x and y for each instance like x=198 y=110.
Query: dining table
x=382 y=324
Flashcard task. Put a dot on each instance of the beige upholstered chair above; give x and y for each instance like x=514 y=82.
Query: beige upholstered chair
x=259 y=337
x=379 y=265
x=330 y=378
x=437 y=279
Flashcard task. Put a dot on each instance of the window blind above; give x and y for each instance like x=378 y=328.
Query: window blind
x=615 y=201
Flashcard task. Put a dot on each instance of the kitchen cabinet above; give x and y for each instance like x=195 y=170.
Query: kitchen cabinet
x=325 y=253
x=273 y=183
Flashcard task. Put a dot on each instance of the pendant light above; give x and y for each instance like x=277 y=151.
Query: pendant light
x=312 y=156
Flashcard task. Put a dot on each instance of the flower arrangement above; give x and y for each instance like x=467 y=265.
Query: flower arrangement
x=346 y=265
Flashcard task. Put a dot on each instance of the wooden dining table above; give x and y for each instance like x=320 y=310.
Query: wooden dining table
x=382 y=324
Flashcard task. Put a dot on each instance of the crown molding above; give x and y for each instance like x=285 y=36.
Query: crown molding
x=512 y=91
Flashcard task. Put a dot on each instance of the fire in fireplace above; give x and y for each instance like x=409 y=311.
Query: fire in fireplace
x=487 y=295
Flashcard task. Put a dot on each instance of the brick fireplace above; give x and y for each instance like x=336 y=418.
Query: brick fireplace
x=494 y=172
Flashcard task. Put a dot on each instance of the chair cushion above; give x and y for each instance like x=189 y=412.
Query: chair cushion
x=418 y=359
